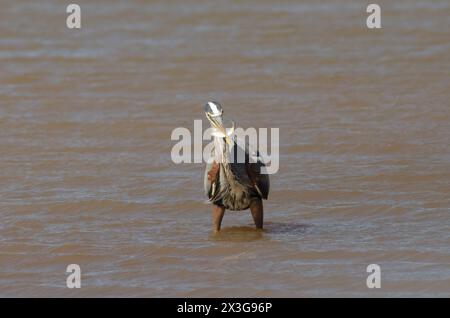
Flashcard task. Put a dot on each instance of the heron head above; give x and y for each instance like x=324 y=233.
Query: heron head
x=214 y=111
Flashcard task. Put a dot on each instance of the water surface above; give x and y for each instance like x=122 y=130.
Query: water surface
x=85 y=171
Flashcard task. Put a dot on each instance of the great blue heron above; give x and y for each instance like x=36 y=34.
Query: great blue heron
x=229 y=183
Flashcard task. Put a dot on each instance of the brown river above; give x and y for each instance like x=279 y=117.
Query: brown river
x=86 y=175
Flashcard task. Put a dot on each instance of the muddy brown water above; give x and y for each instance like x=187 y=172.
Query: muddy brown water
x=85 y=170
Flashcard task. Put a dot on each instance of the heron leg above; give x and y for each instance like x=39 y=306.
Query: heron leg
x=217 y=215
x=256 y=207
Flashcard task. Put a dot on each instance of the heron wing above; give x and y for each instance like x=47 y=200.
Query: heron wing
x=210 y=187
x=207 y=183
x=260 y=181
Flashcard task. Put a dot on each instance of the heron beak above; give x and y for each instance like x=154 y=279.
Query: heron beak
x=228 y=133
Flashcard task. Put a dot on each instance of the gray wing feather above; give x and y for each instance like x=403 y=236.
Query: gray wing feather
x=259 y=180
x=264 y=185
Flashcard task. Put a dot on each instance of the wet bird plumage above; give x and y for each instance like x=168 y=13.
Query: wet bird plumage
x=237 y=183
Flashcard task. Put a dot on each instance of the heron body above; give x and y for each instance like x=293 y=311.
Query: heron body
x=236 y=184
x=228 y=183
